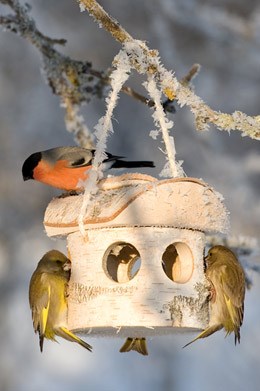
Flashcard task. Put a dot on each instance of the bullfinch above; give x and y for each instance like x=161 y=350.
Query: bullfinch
x=65 y=167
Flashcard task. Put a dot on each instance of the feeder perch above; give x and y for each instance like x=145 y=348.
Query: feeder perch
x=139 y=269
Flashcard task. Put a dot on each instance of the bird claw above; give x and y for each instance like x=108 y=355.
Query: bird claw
x=212 y=293
x=69 y=194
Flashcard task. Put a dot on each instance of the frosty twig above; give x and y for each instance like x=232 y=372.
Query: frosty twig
x=75 y=82
x=204 y=115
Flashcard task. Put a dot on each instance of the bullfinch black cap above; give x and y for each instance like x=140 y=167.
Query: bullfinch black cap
x=29 y=165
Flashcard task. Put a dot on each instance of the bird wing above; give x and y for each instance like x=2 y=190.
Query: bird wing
x=233 y=292
x=234 y=284
x=77 y=157
x=81 y=157
x=40 y=292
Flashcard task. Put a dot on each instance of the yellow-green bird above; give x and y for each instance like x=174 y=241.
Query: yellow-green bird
x=137 y=344
x=227 y=279
x=48 y=298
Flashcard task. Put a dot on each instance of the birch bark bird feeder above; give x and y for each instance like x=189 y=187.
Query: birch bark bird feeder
x=139 y=269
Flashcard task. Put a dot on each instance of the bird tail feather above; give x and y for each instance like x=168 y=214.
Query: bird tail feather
x=137 y=344
x=65 y=333
x=205 y=333
x=135 y=164
x=41 y=340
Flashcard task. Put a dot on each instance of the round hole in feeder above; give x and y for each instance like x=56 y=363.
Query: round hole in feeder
x=121 y=262
x=177 y=262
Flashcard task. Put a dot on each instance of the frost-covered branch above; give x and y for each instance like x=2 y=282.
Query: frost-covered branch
x=173 y=89
x=75 y=123
x=104 y=20
x=75 y=82
x=192 y=73
x=71 y=80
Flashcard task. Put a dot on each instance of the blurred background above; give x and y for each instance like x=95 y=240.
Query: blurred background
x=222 y=36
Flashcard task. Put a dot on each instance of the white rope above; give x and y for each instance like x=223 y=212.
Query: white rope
x=173 y=168
x=103 y=128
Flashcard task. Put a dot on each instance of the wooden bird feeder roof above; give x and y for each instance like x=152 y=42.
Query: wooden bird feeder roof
x=141 y=200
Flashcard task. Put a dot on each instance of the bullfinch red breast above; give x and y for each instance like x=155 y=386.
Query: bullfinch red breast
x=64 y=167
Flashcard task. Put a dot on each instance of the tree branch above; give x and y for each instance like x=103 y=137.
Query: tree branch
x=75 y=82
x=78 y=82
x=204 y=115
x=106 y=21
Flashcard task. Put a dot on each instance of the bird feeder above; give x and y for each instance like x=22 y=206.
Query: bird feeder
x=139 y=268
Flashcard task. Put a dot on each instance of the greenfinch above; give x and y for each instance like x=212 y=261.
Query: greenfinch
x=227 y=279
x=137 y=344
x=48 y=298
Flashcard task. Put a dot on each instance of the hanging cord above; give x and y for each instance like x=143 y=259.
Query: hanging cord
x=149 y=63
x=103 y=129
x=172 y=167
x=123 y=63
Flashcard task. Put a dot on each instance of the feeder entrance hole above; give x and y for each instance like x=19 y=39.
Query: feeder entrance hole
x=177 y=262
x=121 y=262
